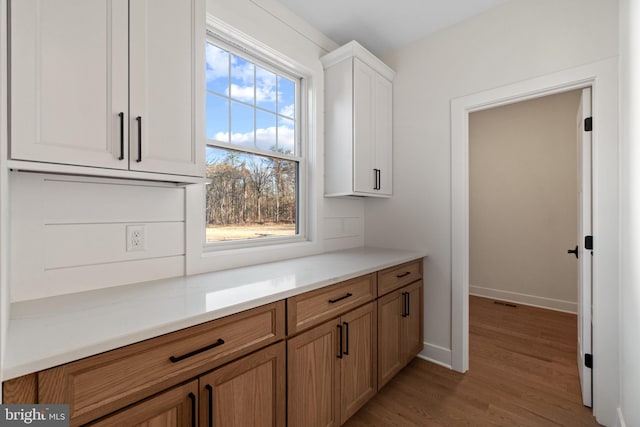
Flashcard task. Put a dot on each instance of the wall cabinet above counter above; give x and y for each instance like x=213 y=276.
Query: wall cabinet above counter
x=358 y=120
x=102 y=88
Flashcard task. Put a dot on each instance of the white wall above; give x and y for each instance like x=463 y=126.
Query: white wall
x=523 y=202
x=514 y=42
x=629 y=411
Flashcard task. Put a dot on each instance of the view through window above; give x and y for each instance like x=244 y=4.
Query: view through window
x=253 y=153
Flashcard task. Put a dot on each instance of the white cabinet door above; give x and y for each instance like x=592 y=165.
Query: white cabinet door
x=69 y=81
x=167 y=86
x=383 y=134
x=364 y=110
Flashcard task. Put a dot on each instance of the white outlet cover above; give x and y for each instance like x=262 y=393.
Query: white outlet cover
x=135 y=238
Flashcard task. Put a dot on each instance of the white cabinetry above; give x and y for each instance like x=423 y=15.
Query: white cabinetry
x=358 y=120
x=111 y=84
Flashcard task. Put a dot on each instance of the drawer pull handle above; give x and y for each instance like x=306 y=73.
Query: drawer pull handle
x=405 y=274
x=194 y=415
x=175 y=359
x=210 y=409
x=340 y=339
x=331 y=301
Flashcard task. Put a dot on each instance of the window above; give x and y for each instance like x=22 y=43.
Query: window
x=254 y=150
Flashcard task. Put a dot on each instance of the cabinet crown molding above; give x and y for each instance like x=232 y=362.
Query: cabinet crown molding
x=355 y=49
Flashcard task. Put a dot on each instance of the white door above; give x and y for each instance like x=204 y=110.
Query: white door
x=167 y=71
x=584 y=254
x=69 y=82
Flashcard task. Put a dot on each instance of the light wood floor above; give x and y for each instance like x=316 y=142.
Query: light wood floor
x=523 y=372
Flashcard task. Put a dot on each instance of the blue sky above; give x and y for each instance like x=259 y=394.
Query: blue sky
x=235 y=88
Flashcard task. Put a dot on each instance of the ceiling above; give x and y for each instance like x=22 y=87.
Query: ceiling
x=383 y=25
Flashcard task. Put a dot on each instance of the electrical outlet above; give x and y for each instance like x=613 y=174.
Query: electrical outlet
x=135 y=238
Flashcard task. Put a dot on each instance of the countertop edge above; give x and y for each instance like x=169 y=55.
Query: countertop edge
x=11 y=371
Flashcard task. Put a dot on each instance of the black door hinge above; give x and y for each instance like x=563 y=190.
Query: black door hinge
x=588 y=242
x=588 y=360
x=588 y=124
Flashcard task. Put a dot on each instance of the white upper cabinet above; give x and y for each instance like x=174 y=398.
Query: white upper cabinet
x=112 y=84
x=358 y=120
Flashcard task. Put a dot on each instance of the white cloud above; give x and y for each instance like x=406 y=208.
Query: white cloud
x=243 y=93
x=217 y=63
x=265 y=137
x=288 y=110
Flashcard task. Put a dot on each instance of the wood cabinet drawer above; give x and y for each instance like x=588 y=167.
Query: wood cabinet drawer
x=396 y=277
x=311 y=308
x=98 y=385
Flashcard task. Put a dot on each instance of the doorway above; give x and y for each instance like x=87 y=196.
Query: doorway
x=602 y=77
x=525 y=212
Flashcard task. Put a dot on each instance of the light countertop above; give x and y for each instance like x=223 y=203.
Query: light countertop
x=48 y=332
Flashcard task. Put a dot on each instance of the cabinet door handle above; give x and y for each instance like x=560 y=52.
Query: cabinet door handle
x=194 y=415
x=405 y=274
x=379 y=180
x=210 y=409
x=332 y=301
x=408 y=304
x=121 y=115
x=175 y=359
x=404 y=304
x=346 y=333
x=340 y=339
x=376 y=179
x=139 y=159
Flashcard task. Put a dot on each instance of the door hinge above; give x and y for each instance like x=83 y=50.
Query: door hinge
x=588 y=360
x=588 y=242
x=588 y=124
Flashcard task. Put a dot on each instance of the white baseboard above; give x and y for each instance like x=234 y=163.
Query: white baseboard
x=549 y=303
x=436 y=354
x=621 y=422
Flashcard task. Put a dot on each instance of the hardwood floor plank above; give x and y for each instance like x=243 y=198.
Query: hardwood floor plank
x=523 y=372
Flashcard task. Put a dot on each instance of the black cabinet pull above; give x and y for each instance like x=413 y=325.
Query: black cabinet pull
x=404 y=304
x=408 y=304
x=340 y=339
x=121 y=115
x=379 y=180
x=210 y=409
x=346 y=333
x=175 y=359
x=192 y=397
x=376 y=179
x=332 y=301
x=405 y=274
x=139 y=159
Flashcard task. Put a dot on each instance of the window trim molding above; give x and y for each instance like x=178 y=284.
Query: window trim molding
x=202 y=257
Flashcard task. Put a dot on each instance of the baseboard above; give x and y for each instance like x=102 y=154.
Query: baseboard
x=436 y=354
x=621 y=422
x=548 y=303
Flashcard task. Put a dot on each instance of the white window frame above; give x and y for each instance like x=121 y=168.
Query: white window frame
x=202 y=258
x=280 y=69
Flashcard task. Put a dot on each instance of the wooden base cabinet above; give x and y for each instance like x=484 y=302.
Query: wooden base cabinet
x=332 y=369
x=176 y=407
x=248 y=392
x=400 y=330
